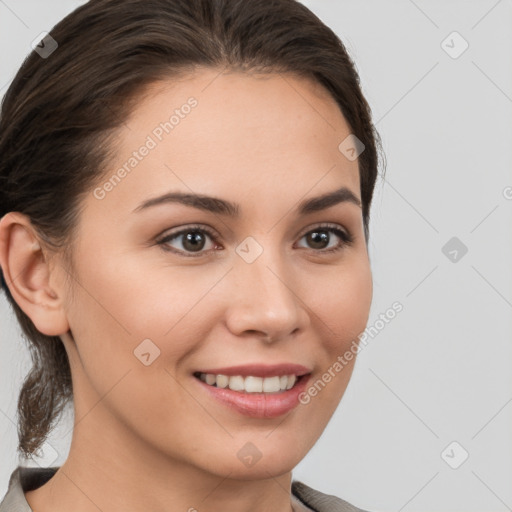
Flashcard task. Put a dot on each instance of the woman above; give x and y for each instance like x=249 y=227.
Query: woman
x=185 y=203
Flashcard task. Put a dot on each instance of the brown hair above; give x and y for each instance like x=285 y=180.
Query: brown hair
x=59 y=111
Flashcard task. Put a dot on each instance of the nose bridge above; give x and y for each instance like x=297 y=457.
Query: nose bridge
x=264 y=299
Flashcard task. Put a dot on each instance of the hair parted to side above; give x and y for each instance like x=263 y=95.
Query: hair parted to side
x=58 y=113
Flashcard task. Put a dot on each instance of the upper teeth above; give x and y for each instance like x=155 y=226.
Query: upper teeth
x=250 y=384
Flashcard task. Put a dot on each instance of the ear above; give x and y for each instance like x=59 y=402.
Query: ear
x=27 y=275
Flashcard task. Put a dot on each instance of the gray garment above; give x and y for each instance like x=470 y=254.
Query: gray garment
x=23 y=479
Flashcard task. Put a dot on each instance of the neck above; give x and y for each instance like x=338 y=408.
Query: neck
x=102 y=473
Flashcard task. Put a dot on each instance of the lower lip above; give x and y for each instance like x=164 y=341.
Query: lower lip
x=259 y=405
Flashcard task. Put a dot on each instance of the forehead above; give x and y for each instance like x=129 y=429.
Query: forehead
x=211 y=131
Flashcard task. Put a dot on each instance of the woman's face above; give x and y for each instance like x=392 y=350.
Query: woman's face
x=162 y=289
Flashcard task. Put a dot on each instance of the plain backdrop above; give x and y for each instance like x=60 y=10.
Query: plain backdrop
x=426 y=421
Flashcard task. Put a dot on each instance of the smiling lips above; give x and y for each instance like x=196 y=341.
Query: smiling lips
x=254 y=378
x=256 y=390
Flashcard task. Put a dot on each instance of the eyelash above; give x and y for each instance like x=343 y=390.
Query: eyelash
x=345 y=236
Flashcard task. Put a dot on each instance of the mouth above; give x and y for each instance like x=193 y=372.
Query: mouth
x=252 y=383
x=254 y=390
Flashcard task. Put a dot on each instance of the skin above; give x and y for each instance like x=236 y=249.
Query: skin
x=149 y=436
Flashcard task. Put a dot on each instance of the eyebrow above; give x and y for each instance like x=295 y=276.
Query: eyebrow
x=223 y=207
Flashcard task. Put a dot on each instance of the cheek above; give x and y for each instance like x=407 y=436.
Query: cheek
x=118 y=316
x=343 y=303
x=147 y=298
x=124 y=302
x=340 y=312
x=355 y=297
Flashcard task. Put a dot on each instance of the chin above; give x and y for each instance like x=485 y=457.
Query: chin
x=250 y=464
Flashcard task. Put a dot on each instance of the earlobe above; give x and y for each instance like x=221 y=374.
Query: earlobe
x=27 y=274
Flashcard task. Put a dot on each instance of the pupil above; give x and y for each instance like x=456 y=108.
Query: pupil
x=196 y=240
x=318 y=238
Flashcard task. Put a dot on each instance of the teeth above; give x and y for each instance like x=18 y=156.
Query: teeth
x=235 y=383
x=250 y=384
x=222 y=381
x=253 y=384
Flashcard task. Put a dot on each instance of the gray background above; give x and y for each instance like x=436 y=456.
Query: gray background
x=440 y=371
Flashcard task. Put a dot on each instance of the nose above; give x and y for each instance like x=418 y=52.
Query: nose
x=264 y=301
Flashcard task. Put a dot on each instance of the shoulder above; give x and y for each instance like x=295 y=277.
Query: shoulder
x=24 y=479
x=319 y=501
x=12 y=501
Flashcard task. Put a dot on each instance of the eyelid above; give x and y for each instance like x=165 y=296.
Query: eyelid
x=187 y=227
x=328 y=226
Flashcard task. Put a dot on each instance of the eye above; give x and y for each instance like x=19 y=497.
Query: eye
x=191 y=239
x=320 y=238
x=194 y=239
